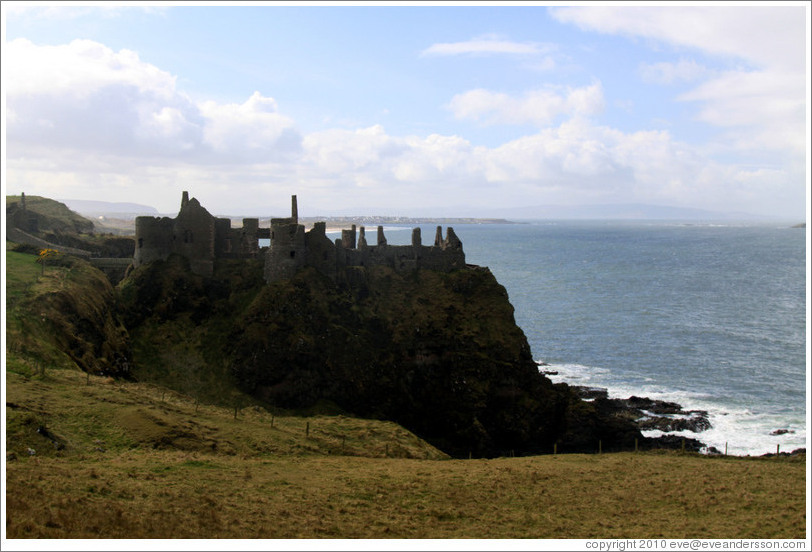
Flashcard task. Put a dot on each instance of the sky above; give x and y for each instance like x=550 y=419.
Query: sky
x=416 y=110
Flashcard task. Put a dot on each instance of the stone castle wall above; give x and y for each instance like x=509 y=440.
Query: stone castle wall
x=445 y=255
x=203 y=238
x=197 y=235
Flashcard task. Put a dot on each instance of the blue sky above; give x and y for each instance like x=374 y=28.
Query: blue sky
x=453 y=110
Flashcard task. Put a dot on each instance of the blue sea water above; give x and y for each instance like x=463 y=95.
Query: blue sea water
x=712 y=316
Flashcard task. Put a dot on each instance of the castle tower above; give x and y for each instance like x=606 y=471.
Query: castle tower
x=184 y=200
x=348 y=238
x=416 y=239
x=451 y=240
x=362 y=239
x=287 y=252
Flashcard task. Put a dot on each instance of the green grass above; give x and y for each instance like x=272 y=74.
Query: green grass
x=89 y=413
x=140 y=461
x=30 y=339
x=22 y=270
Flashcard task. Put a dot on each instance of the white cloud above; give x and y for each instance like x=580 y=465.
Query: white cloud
x=759 y=101
x=488 y=44
x=767 y=36
x=669 y=73
x=85 y=95
x=79 y=69
x=771 y=106
x=445 y=160
x=539 y=107
x=249 y=130
x=338 y=151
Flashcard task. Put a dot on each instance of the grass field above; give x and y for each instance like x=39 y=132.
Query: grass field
x=131 y=460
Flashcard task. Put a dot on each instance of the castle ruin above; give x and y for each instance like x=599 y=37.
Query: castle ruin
x=203 y=238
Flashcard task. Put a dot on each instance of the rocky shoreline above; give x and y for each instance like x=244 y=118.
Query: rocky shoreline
x=650 y=414
x=664 y=416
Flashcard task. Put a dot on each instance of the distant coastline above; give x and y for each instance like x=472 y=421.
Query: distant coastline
x=125 y=223
x=381 y=220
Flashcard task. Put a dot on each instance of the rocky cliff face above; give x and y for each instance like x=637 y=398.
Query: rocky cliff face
x=439 y=353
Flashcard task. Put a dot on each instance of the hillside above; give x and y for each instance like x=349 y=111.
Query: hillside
x=62 y=314
x=99 y=458
x=40 y=222
x=47 y=215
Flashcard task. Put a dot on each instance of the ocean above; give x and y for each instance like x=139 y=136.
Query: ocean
x=711 y=316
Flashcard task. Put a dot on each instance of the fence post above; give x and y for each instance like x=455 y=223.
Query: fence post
x=555 y=448
x=725 y=448
x=600 y=446
x=777 y=449
x=307 y=430
x=635 y=444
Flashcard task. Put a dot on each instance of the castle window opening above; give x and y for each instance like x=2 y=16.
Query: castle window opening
x=292 y=254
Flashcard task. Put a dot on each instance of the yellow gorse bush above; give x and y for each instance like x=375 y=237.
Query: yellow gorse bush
x=45 y=254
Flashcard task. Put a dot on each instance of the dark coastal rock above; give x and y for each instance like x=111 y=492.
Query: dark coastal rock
x=781 y=432
x=675 y=442
x=696 y=422
x=650 y=405
x=796 y=452
x=650 y=414
x=591 y=393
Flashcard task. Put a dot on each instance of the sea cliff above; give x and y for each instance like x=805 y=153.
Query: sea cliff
x=438 y=352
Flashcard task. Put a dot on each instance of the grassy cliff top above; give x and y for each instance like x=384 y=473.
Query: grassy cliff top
x=53 y=215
